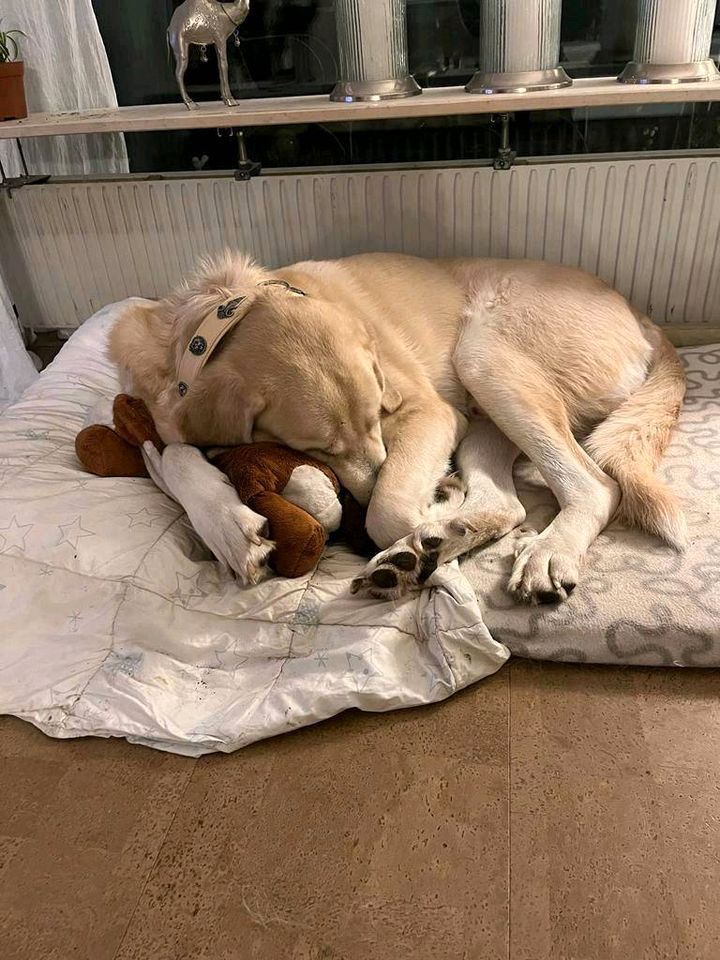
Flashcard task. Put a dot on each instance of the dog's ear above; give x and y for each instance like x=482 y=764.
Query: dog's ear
x=241 y=407
x=245 y=411
x=226 y=421
x=139 y=344
x=391 y=398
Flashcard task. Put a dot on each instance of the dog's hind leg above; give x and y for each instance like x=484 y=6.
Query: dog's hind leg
x=513 y=390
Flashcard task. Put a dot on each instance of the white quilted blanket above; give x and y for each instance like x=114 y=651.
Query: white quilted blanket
x=115 y=622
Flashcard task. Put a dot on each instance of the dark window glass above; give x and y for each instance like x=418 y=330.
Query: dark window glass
x=288 y=48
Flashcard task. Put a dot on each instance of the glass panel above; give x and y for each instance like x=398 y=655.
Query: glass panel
x=287 y=48
x=597 y=38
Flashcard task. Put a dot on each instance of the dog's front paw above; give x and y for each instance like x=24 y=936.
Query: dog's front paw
x=400 y=569
x=236 y=535
x=229 y=529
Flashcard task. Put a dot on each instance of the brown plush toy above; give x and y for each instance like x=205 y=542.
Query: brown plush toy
x=299 y=496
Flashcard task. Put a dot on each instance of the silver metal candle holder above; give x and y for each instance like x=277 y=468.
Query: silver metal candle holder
x=372 y=42
x=672 y=43
x=519 y=47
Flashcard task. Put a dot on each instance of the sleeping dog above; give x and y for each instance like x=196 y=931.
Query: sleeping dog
x=383 y=366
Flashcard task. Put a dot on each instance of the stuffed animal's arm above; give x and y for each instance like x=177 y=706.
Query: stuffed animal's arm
x=230 y=529
x=311 y=490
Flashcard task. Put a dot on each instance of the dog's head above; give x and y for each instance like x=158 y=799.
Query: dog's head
x=325 y=393
x=299 y=369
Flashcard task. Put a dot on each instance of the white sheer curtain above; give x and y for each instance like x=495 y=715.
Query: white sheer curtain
x=17 y=371
x=66 y=68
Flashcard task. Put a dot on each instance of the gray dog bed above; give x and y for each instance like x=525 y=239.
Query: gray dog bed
x=638 y=601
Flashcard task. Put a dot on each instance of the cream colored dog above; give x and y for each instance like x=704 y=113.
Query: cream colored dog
x=383 y=366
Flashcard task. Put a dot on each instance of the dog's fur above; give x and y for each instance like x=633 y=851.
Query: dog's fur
x=390 y=363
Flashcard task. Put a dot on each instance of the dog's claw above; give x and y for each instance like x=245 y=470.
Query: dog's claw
x=544 y=571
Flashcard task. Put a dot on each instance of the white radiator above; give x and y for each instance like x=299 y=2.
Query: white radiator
x=650 y=227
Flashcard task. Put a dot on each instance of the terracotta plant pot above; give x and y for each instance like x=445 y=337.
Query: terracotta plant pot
x=12 y=91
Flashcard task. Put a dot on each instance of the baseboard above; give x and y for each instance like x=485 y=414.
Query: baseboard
x=692 y=334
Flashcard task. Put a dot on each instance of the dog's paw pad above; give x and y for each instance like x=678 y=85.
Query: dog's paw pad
x=431 y=544
x=548 y=596
x=383 y=578
x=400 y=569
x=405 y=560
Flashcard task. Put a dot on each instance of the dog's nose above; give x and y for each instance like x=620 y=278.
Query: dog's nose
x=361 y=487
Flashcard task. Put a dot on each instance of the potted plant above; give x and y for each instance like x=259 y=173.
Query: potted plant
x=12 y=83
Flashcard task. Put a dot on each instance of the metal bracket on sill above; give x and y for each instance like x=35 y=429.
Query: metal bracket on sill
x=246 y=168
x=505 y=156
x=8 y=184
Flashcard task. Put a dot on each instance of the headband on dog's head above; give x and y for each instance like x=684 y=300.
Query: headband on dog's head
x=216 y=325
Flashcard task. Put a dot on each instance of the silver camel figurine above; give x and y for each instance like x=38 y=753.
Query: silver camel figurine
x=205 y=22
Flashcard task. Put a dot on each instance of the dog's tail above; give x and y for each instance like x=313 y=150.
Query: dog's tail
x=630 y=442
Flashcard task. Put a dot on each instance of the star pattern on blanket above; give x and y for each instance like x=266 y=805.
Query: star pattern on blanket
x=12 y=537
x=321 y=659
x=228 y=660
x=187 y=589
x=74 y=621
x=306 y=618
x=71 y=533
x=362 y=668
x=127 y=664
x=36 y=434
x=308 y=613
x=143 y=518
x=45 y=570
x=225 y=655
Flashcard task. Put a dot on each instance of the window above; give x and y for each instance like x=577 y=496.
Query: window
x=288 y=47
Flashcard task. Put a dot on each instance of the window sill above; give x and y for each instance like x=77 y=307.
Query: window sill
x=441 y=101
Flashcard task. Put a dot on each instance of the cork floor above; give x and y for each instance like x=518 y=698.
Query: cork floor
x=549 y=813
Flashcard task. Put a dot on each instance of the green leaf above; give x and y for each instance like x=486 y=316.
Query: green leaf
x=9 y=49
